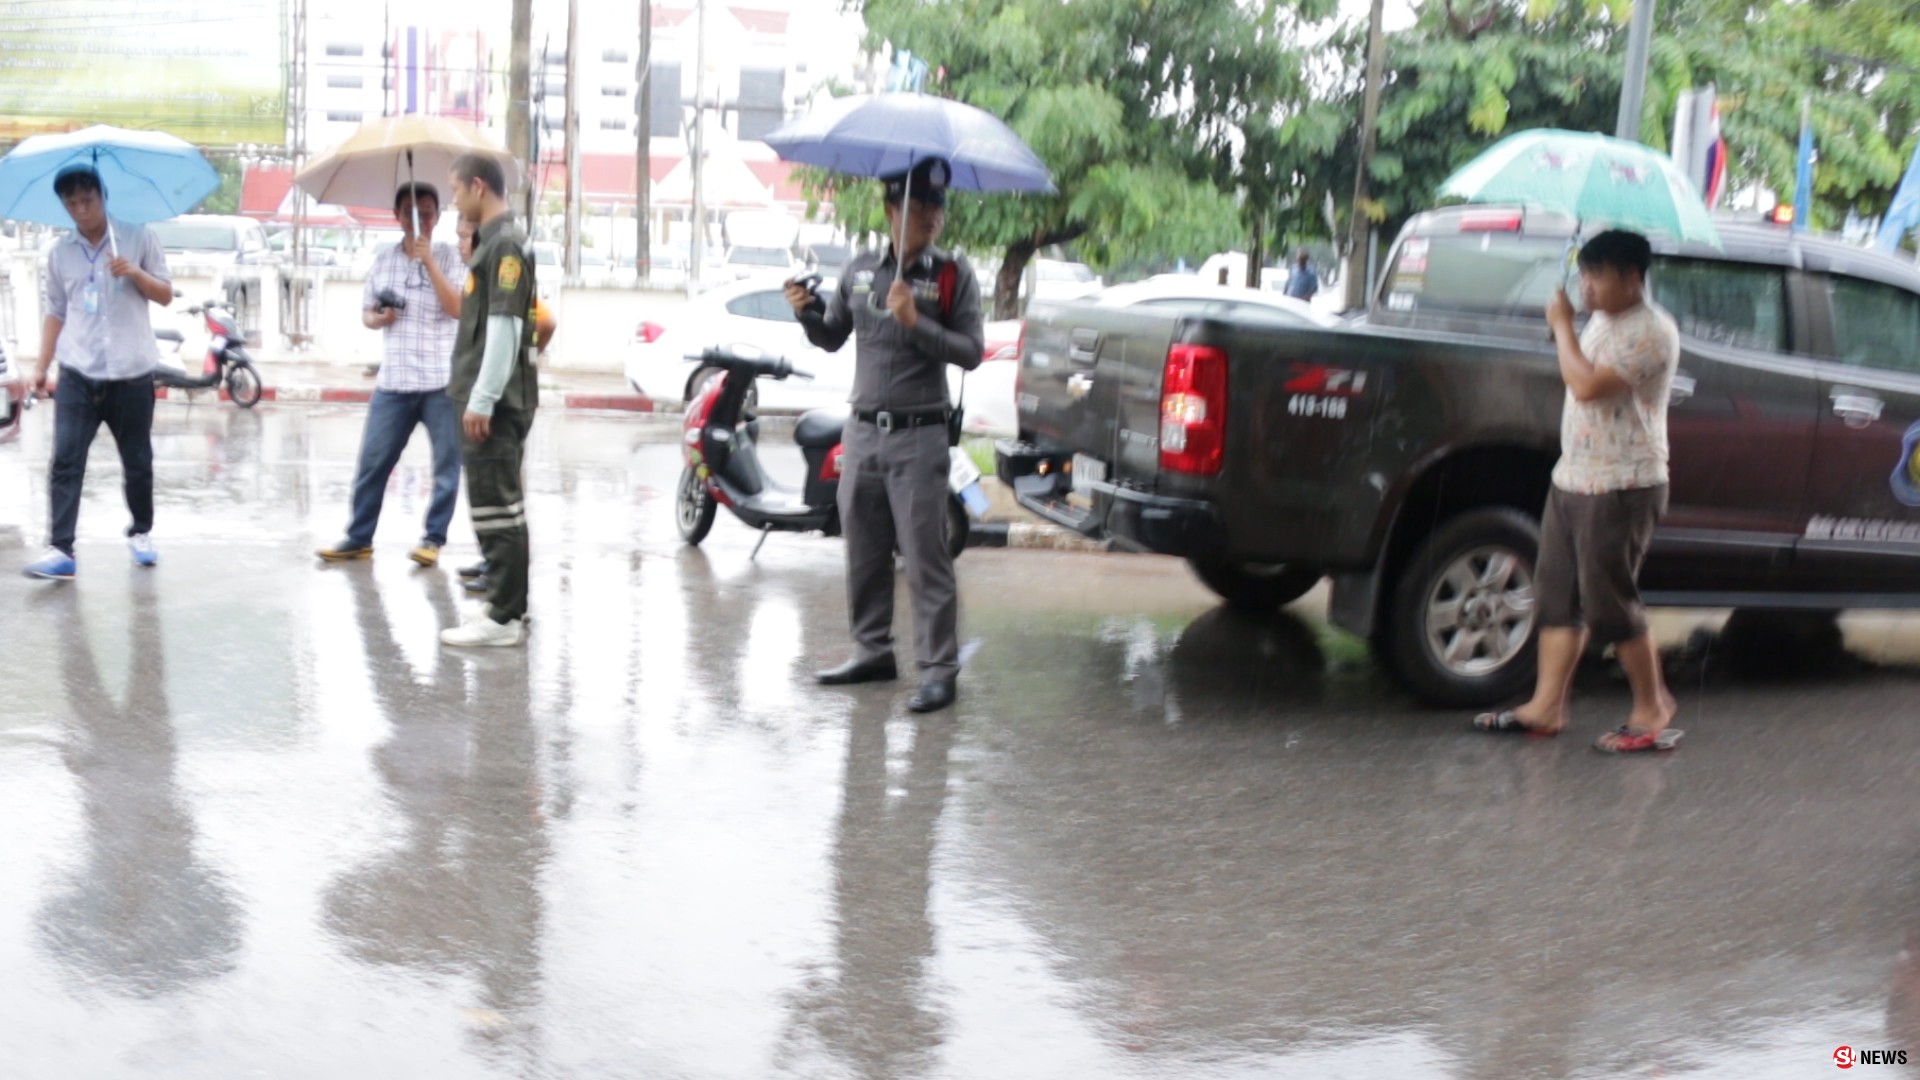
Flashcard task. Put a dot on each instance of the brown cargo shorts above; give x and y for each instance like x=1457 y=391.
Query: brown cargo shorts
x=1591 y=548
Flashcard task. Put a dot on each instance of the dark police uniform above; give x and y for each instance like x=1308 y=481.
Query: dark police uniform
x=499 y=282
x=893 y=488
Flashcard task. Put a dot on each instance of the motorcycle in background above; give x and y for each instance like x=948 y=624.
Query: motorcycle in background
x=226 y=362
x=723 y=468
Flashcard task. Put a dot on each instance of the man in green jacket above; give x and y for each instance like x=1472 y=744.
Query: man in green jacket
x=496 y=386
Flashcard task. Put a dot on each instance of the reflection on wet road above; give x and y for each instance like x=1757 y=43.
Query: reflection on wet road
x=260 y=824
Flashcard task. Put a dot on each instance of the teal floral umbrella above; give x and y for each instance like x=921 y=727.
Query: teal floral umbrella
x=1596 y=179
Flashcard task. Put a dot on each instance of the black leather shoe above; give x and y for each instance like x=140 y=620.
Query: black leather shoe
x=882 y=669
x=476 y=584
x=933 y=695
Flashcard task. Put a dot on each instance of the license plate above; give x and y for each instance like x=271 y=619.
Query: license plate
x=1087 y=472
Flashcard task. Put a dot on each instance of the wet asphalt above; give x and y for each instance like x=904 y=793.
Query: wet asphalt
x=258 y=824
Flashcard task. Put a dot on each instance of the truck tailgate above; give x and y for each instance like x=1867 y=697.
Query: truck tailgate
x=1087 y=372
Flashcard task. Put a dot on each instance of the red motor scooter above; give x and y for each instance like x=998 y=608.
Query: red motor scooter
x=226 y=361
x=721 y=443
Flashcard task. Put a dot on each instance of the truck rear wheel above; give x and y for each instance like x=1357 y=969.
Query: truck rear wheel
x=1255 y=586
x=1460 y=631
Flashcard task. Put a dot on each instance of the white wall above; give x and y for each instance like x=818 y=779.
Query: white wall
x=595 y=324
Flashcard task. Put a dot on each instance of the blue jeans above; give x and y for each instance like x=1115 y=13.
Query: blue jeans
x=391 y=418
x=81 y=405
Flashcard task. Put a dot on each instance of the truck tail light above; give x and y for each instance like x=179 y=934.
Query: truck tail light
x=1193 y=410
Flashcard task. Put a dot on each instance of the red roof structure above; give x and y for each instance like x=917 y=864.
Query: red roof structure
x=266 y=192
x=759 y=20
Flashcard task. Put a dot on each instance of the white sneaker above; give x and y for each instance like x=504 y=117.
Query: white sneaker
x=480 y=631
x=143 y=551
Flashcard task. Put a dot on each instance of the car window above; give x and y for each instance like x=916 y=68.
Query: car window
x=766 y=304
x=1724 y=303
x=1170 y=303
x=758 y=257
x=1875 y=325
x=196 y=236
x=1488 y=273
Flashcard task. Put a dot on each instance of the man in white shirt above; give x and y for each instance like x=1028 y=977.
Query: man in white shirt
x=412 y=298
x=99 y=281
x=1609 y=491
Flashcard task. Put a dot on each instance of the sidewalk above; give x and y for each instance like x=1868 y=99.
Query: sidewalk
x=332 y=381
x=329 y=381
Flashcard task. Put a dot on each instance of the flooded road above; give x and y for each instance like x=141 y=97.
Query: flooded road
x=261 y=825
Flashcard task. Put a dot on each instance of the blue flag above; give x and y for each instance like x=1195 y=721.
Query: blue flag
x=1803 y=177
x=1904 y=213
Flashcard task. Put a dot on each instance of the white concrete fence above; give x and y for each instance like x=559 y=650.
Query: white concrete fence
x=596 y=324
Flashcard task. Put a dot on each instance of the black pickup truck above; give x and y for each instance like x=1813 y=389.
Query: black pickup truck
x=1407 y=454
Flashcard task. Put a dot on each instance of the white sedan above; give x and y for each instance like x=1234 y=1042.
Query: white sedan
x=1186 y=291
x=753 y=313
x=756 y=313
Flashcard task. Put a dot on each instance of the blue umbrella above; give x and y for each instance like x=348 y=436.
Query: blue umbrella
x=149 y=175
x=879 y=135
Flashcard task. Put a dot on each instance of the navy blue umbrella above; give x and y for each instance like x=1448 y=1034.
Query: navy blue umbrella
x=878 y=135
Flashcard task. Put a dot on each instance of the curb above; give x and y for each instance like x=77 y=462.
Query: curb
x=360 y=395
x=1035 y=536
x=173 y=393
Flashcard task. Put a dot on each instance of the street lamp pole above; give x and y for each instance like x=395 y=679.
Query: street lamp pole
x=698 y=144
x=1633 y=83
x=1360 y=236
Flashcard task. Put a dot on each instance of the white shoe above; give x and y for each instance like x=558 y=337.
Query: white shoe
x=480 y=631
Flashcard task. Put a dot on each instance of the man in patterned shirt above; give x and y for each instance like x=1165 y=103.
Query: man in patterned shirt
x=412 y=389
x=1609 y=491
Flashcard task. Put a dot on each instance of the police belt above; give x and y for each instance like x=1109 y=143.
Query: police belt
x=897 y=419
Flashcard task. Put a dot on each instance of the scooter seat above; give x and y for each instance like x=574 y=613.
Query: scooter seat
x=820 y=428
x=174 y=336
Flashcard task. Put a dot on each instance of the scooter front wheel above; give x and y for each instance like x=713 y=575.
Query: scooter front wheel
x=959 y=527
x=243 y=385
x=693 y=507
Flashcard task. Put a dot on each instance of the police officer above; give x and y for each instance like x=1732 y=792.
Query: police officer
x=497 y=388
x=913 y=312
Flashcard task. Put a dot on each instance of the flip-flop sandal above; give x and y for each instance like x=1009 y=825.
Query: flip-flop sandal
x=1508 y=722
x=1624 y=740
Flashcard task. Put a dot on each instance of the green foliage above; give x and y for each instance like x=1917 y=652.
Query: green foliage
x=1182 y=127
x=225 y=200
x=1452 y=92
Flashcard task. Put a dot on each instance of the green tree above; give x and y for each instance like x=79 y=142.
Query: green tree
x=1158 y=118
x=226 y=200
x=1469 y=72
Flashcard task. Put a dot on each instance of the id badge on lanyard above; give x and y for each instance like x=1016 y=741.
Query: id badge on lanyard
x=90 y=293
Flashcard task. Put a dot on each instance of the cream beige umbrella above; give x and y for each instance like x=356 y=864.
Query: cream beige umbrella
x=383 y=154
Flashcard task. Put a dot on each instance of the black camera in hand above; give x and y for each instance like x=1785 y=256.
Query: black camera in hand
x=387 y=299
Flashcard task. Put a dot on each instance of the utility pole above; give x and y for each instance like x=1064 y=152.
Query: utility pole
x=573 y=139
x=295 y=322
x=1633 y=83
x=1360 y=229
x=643 y=150
x=699 y=144
x=519 y=110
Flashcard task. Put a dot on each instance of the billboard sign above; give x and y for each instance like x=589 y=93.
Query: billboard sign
x=212 y=74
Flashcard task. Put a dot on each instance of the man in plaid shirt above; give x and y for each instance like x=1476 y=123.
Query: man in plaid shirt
x=412 y=388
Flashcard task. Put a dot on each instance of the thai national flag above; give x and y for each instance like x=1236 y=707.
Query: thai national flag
x=1716 y=160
